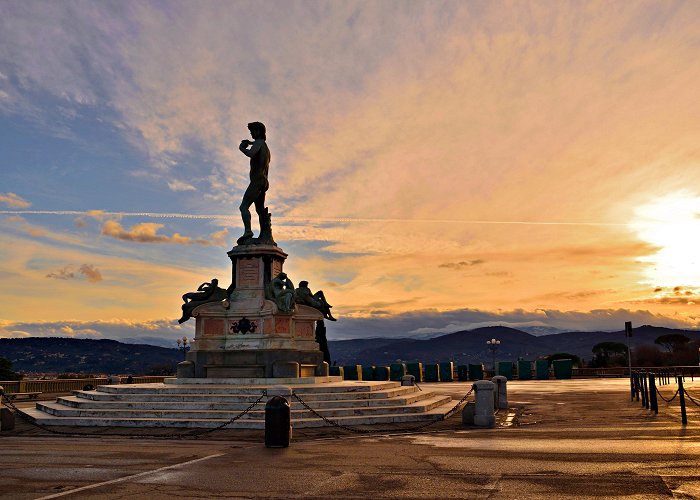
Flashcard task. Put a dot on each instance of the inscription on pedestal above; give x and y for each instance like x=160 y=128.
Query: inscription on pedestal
x=248 y=272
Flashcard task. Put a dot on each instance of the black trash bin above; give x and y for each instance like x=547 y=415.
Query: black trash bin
x=278 y=423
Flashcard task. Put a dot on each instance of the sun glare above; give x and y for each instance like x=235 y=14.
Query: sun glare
x=672 y=224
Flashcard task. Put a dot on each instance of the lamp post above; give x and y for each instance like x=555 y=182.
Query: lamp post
x=628 y=334
x=184 y=346
x=493 y=345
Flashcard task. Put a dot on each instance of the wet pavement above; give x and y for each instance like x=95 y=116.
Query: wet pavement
x=560 y=439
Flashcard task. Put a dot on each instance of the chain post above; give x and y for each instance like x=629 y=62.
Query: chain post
x=652 y=394
x=644 y=391
x=681 y=391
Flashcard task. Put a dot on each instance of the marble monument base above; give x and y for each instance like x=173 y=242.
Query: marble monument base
x=269 y=363
x=247 y=335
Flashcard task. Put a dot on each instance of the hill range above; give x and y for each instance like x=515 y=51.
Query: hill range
x=68 y=355
x=470 y=346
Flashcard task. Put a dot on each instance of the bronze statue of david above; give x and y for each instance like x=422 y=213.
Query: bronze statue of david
x=259 y=155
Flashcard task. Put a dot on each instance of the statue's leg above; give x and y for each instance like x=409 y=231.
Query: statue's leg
x=260 y=209
x=322 y=298
x=248 y=198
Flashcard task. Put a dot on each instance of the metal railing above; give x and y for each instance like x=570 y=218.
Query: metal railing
x=68 y=384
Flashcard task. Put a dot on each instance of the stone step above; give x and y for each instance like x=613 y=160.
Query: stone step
x=232 y=403
x=157 y=395
x=344 y=387
x=387 y=418
x=298 y=411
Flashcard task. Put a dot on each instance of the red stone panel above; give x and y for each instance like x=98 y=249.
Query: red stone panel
x=282 y=325
x=213 y=327
x=304 y=329
x=267 y=326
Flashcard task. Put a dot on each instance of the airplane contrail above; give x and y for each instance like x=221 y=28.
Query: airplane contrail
x=167 y=215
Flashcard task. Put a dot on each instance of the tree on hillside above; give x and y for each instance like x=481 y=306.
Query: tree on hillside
x=648 y=355
x=6 y=372
x=162 y=369
x=672 y=341
x=563 y=355
x=610 y=354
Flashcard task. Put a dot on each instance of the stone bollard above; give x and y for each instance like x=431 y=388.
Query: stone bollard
x=468 y=413
x=278 y=418
x=7 y=419
x=483 y=410
x=408 y=380
x=500 y=398
x=185 y=369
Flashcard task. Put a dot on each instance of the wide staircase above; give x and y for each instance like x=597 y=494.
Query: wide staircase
x=205 y=406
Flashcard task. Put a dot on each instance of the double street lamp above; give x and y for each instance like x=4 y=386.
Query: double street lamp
x=184 y=346
x=493 y=345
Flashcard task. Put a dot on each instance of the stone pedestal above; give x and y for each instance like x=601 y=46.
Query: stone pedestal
x=483 y=409
x=247 y=336
x=500 y=395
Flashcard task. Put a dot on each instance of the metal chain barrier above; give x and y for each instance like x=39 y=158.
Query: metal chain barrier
x=9 y=404
x=180 y=435
x=667 y=400
x=200 y=432
x=691 y=398
x=382 y=431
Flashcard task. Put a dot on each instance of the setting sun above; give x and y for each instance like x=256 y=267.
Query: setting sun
x=671 y=223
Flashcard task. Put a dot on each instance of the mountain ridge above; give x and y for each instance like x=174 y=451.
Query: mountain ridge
x=65 y=354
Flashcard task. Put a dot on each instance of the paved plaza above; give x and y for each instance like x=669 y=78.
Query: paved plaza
x=560 y=439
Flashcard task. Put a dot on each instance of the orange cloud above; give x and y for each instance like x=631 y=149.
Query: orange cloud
x=218 y=238
x=90 y=272
x=147 y=232
x=13 y=201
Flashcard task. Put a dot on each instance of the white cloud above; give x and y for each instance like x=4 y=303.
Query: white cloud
x=157 y=332
x=176 y=186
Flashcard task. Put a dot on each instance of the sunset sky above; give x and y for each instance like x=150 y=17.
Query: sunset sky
x=436 y=166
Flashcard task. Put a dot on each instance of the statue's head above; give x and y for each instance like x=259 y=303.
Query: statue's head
x=257 y=130
x=214 y=282
x=303 y=284
x=282 y=276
